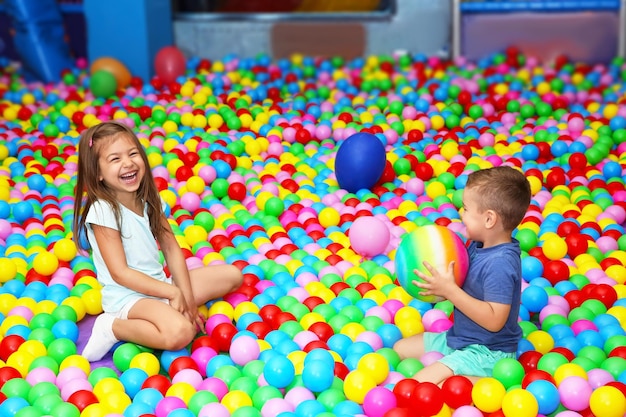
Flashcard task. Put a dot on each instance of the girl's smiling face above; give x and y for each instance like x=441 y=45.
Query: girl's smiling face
x=121 y=167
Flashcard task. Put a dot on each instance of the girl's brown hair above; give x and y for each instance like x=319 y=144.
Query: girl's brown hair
x=89 y=189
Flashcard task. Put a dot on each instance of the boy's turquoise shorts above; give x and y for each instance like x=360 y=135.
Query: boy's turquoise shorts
x=472 y=360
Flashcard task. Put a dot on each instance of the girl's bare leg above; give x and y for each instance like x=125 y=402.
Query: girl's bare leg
x=214 y=281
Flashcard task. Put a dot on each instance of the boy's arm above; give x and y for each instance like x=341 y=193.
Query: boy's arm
x=492 y=316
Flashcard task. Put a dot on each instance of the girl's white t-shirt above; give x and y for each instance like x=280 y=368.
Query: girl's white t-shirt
x=140 y=247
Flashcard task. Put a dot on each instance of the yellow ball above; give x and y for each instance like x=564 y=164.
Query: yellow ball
x=435 y=189
x=182 y=390
x=195 y=233
x=8 y=270
x=519 y=403
x=20 y=360
x=236 y=399
x=607 y=401
x=328 y=216
x=7 y=302
x=146 y=361
x=115 y=402
x=357 y=384
x=76 y=361
x=45 y=263
x=65 y=249
x=568 y=369
x=196 y=185
x=95 y=410
x=92 y=299
x=222 y=307
x=106 y=386
x=541 y=341
x=488 y=394
x=375 y=365
x=554 y=247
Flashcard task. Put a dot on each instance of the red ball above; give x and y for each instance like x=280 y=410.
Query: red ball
x=223 y=334
x=428 y=399
x=399 y=412
x=404 y=390
x=82 y=398
x=555 y=271
x=605 y=293
x=619 y=351
x=10 y=344
x=457 y=391
x=323 y=330
x=237 y=191
x=204 y=341
x=534 y=375
x=7 y=373
x=259 y=328
x=180 y=363
x=269 y=312
x=529 y=360
x=577 y=244
x=574 y=298
x=158 y=382
x=184 y=173
x=341 y=370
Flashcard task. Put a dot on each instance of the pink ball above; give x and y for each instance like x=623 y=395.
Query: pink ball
x=215 y=385
x=378 y=401
x=190 y=376
x=190 y=202
x=467 y=411
x=214 y=320
x=598 y=377
x=582 y=324
x=202 y=356
x=167 y=405
x=275 y=406
x=440 y=326
x=574 y=392
x=432 y=316
x=298 y=395
x=42 y=374
x=430 y=357
x=244 y=349
x=214 y=410
x=369 y=236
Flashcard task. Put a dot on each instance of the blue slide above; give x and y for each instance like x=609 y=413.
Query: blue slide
x=39 y=38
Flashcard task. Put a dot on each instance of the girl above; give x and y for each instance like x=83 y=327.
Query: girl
x=119 y=207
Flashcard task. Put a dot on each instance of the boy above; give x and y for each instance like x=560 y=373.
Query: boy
x=486 y=309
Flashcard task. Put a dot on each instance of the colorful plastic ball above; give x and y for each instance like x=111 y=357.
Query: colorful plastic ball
x=369 y=236
x=487 y=394
x=546 y=394
x=519 y=403
x=436 y=245
x=103 y=84
x=244 y=349
x=575 y=393
x=428 y=398
x=45 y=263
x=360 y=162
x=82 y=398
x=375 y=365
x=114 y=67
x=133 y=380
x=378 y=401
x=607 y=401
x=356 y=386
x=169 y=64
x=457 y=391
x=317 y=375
x=123 y=355
x=146 y=361
x=279 y=371
x=509 y=372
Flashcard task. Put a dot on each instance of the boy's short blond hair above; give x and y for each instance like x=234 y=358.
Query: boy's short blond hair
x=504 y=190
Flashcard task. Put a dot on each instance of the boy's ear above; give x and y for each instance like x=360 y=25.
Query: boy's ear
x=490 y=219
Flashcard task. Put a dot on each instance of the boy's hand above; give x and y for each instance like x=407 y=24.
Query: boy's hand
x=438 y=283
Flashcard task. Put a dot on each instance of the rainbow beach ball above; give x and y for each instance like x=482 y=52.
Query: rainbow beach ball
x=436 y=245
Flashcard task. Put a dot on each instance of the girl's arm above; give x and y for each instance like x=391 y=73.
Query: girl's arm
x=112 y=251
x=489 y=315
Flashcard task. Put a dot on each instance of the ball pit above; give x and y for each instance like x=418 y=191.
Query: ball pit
x=253 y=158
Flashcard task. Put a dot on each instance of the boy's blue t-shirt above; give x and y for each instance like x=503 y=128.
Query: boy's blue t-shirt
x=494 y=275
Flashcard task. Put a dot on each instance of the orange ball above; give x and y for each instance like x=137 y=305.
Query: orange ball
x=113 y=66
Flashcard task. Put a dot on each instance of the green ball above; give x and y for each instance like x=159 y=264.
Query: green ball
x=200 y=399
x=228 y=374
x=124 y=354
x=245 y=384
x=550 y=361
x=527 y=239
x=331 y=397
x=409 y=367
x=593 y=353
x=615 y=365
x=509 y=372
x=43 y=335
x=29 y=411
x=402 y=166
x=274 y=206
x=246 y=411
x=64 y=312
x=103 y=84
x=291 y=327
x=44 y=362
x=60 y=349
x=99 y=374
x=46 y=403
x=552 y=320
x=16 y=387
x=220 y=187
x=264 y=394
x=42 y=388
x=43 y=320
x=65 y=410
x=580 y=313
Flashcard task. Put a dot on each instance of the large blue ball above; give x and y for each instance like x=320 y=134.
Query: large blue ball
x=360 y=162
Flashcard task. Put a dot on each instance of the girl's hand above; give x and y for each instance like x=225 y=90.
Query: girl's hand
x=438 y=283
x=177 y=301
x=194 y=316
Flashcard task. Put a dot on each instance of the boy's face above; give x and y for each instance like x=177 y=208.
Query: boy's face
x=473 y=218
